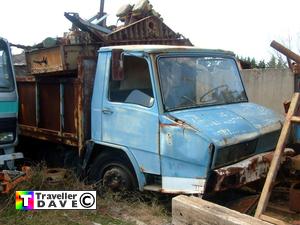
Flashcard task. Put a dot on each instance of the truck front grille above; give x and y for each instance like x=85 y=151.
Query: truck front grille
x=234 y=153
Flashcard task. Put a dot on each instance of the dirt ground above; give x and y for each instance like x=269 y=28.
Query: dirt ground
x=112 y=208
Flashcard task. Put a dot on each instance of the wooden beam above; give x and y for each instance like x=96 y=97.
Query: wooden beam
x=272 y=173
x=285 y=51
x=296 y=119
x=196 y=211
x=272 y=220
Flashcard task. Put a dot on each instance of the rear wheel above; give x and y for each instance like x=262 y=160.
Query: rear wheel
x=114 y=173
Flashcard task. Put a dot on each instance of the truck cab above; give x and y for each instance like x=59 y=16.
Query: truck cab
x=176 y=120
x=8 y=108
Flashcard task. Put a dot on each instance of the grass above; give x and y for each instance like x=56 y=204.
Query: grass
x=112 y=208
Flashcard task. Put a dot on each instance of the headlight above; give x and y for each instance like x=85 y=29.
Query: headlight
x=6 y=137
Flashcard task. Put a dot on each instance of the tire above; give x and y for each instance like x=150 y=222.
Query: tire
x=114 y=173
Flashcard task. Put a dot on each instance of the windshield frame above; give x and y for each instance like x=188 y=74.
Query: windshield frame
x=196 y=55
x=4 y=46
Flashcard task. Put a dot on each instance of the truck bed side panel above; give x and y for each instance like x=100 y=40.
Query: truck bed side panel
x=57 y=108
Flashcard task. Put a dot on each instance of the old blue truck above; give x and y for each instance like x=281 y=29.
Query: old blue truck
x=176 y=120
x=169 y=117
x=173 y=119
x=8 y=108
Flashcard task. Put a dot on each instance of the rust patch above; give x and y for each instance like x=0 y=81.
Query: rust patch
x=148 y=30
x=69 y=102
x=296 y=68
x=268 y=157
x=59 y=58
x=49 y=106
x=27 y=96
x=57 y=108
x=241 y=173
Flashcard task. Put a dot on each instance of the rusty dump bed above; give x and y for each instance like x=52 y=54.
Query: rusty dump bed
x=56 y=107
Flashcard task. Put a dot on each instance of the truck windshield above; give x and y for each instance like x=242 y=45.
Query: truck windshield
x=199 y=81
x=6 y=75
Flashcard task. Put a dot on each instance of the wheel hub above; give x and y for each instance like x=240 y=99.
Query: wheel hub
x=115 y=179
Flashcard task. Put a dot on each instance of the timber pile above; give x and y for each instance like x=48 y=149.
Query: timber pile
x=196 y=211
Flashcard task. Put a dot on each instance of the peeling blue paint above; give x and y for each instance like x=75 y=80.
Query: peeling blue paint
x=178 y=144
x=187 y=155
x=231 y=124
x=222 y=126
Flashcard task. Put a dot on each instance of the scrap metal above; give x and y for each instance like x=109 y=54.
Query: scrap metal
x=96 y=31
x=149 y=30
x=10 y=178
x=142 y=25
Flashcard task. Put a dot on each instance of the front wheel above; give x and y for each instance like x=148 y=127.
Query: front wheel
x=114 y=173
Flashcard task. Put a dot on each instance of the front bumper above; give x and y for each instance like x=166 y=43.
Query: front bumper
x=241 y=173
x=10 y=157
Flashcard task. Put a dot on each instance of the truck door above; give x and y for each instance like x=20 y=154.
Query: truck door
x=130 y=113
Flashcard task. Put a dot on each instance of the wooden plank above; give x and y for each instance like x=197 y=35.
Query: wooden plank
x=265 y=195
x=272 y=220
x=196 y=211
x=285 y=51
x=296 y=119
x=283 y=209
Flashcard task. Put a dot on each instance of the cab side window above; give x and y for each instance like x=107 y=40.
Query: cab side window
x=135 y=87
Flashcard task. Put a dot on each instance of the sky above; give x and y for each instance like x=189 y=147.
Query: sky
x=242 y=26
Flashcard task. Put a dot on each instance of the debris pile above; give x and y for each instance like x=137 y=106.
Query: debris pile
x=141 y=24
x=132 y=13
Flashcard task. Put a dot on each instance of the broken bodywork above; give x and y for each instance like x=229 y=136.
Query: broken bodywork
x=10 y=178
x=241 y=173
x=246 y=163
x=189 y=103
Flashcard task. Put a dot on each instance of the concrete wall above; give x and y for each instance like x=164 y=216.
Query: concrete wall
x=269 y=87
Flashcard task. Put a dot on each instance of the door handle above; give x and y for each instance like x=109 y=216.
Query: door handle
x=107 y=111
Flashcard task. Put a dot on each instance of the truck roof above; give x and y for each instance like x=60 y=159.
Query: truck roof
x=165 y=48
